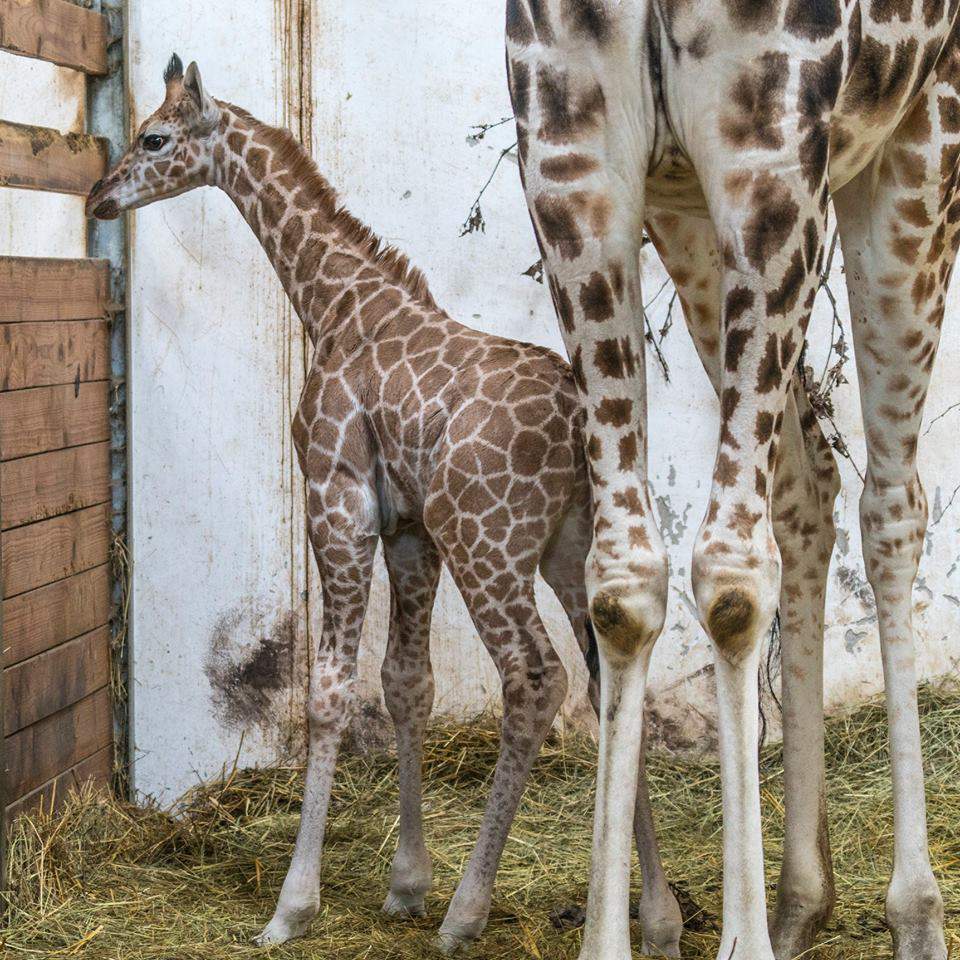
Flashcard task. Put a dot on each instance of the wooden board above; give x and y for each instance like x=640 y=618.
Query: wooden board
x=43 y=685
x=42 y=618
x=98 y=768
x=50 y=418
x=44 y=750
x=34 y=288
x=40 y=553
x=48 y=484
x=57 y=31
x=52 y=352
x=38 y=158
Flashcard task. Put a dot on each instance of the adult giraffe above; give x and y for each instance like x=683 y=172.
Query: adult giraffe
x=726 y=126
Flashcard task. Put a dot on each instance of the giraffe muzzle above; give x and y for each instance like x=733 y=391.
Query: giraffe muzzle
x=96 y=206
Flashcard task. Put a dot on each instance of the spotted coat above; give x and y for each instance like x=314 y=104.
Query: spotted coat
x=725 y=127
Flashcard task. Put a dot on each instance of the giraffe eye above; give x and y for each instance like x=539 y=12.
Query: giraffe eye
x=153 y=141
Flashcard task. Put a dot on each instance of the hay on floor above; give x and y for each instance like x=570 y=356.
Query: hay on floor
x=108 y=880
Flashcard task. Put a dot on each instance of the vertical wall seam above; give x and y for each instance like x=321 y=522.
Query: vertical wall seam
x=108 y=117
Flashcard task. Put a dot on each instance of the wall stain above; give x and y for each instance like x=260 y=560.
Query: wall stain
x=251 y=683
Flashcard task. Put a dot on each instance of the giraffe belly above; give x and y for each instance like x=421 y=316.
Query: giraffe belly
x=858 y=85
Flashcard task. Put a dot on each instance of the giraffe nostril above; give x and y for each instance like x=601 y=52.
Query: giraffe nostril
x=96 y=187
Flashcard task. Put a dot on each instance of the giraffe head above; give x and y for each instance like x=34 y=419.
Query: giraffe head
x=172 y=152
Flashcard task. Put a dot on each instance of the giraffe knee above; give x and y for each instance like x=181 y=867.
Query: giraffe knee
x=408 y=694
x=732 y=621
x=736 y=599
x=628 y=619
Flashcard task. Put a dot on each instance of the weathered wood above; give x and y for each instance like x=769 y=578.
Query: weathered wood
x=97 y=768
x=38 y=158
x=57 y=31
x=50 y=418
x=36 y=488
x=43 y=685
x=40 y=553
x=61 y=351
x=42 y=751
x=42 y=618
x=35 y=288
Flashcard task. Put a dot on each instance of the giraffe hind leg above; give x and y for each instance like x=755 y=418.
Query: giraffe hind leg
x=805 y=486
x=899 y=253
x=413 y=565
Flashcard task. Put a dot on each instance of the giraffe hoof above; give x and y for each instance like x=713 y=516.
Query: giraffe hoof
x=283 y=928
x=665 y=948
x=449 y=944
x=274 y=934
x=404 y=905
x=924 y=941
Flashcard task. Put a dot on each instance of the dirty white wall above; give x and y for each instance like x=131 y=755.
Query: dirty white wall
x=34 y=223
x=387 y=92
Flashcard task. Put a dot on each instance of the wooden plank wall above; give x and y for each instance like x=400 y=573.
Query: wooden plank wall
x=54 y=526
x=55 y=30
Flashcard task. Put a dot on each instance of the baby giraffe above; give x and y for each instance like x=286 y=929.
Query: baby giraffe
x=445 y=444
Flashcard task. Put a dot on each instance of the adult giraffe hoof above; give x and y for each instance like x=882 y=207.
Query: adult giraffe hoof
x=794 y=937
x=661 y=921
x=660 y=944
x=287 y=926
x=915 y=919
x=924 y=941
x=449 y=944
x=275 y=933
x=404 y=905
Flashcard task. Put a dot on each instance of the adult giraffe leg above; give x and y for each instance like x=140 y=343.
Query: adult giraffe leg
x=562 y=567
x=899 y=251
x=584 y=177
x=769 y=223
x=344 y=549
x=414 y=568
x=805 y=486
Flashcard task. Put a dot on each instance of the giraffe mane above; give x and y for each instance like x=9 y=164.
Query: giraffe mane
x=394 y=264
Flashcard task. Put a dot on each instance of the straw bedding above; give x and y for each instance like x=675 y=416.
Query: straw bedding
x=108 y=880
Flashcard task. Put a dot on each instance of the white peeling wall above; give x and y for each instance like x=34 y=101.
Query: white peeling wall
x=216 y=366
x=34 y=223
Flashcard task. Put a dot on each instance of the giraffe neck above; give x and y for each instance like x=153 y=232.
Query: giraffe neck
x=317 y=248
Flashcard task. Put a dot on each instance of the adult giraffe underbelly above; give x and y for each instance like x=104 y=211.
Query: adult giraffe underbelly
x=873 y=74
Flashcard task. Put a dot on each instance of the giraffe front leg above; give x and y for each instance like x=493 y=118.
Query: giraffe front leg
x=769 y=226
x=596 y=287
x=805 y=487
x=345 y=558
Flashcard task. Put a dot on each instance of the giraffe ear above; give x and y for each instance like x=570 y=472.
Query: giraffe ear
x=207 y=112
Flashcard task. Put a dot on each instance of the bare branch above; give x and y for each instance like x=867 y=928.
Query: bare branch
x=484 y=128
x=475 y=221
